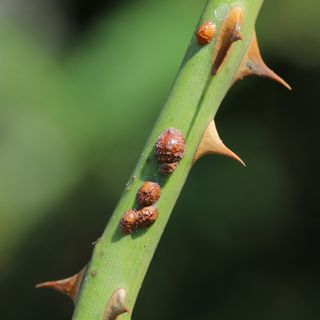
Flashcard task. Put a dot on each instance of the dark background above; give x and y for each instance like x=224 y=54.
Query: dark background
x=81 y=84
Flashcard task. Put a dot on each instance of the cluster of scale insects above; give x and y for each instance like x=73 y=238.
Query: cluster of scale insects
x=169 y=151
x=170 y=147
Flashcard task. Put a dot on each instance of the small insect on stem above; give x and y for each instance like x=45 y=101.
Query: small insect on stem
x=128 y=222
x=170 y=148
x=147 y=216
x=148 y=194
x=206 y=33
x=229 y=33
x=166 y=169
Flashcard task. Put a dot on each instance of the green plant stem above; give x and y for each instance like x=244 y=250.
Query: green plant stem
x=122 y=261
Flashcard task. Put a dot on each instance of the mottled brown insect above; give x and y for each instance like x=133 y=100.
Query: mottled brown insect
x=167 y=168
x=206 y=33
x=129 y=222
x=148 y=194
x=147 y=216
x=170 y=146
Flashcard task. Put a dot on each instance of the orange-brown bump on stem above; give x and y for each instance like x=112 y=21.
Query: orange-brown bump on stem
x=228 y=34
x=170 y=146
x=69 y=286
x=147 y=216
x=116 y=305
x=253 y=65
x=166 y=169
x=128 y=222
x=148 y=194
x=212 y=144
x=206 y=33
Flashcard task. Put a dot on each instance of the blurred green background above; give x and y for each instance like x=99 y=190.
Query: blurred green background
x=81 y=84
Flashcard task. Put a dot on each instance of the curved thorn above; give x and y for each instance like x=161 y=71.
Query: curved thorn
x=69 y=286
x=116 y=305
x=229 y=33
x=212 y=144
x=253 y=64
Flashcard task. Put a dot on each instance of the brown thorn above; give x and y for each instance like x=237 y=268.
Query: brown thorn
x=212 y=144
x=253 y=64
x=69 y=286
x=116 y=305
x=229 y=33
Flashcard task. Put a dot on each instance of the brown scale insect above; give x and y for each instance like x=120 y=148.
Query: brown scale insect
x=148 y=194
x=167 y=168
x=147 y=216
x=206 y=33
x=170 y=146
x=128 y=222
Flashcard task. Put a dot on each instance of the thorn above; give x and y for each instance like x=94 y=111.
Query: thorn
x=229 y=33
x=253 y=64
x=212 y=144
x=96 y=241
x=116 y=305
x=69 y=286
